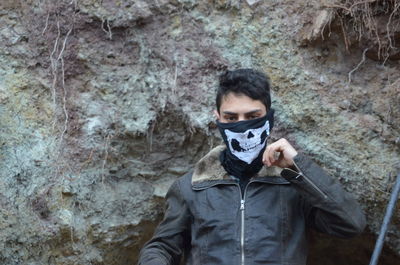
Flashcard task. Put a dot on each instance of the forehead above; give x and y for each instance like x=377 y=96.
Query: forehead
x=240 y=103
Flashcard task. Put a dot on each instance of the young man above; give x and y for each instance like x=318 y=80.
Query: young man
x=248 y=202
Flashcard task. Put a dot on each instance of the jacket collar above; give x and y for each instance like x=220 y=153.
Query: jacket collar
x=209 y=171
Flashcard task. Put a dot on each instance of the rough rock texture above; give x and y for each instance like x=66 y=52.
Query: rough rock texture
x=105 y=103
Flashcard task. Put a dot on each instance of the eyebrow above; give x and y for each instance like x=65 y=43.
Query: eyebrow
x=247 y=113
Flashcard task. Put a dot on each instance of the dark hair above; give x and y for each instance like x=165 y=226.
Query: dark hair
x=248 y=82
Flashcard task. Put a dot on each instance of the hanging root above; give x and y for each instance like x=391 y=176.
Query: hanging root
x=47 y=23
x=358 y=65
x=54 y=69
x=58 y=27
x=60 y=57
x=372 y=23
x=106 y=22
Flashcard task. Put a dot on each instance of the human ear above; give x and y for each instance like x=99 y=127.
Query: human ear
x=216 y=114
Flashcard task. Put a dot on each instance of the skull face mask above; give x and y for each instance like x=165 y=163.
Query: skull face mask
x=246 y=142
x=247 y=145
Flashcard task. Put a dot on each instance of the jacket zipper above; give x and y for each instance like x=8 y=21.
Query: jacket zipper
x=242 y=202
x=310 y=182
x=242 y=230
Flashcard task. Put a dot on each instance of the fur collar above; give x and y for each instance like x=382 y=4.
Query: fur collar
x=210 y=168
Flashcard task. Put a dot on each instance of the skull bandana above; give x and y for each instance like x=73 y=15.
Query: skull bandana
x=246 y=142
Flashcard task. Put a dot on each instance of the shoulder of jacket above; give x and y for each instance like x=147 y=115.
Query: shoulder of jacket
x=209 y=167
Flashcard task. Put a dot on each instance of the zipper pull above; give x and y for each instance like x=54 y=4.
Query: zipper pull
x=242 y=205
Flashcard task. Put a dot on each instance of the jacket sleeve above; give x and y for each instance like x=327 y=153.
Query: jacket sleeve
x=168 y=242
x=328 y=207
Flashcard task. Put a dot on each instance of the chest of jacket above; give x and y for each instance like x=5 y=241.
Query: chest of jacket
x=258 y=224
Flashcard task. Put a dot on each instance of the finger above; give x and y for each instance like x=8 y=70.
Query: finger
x=277 y=159
x=271 y=153
x=265 y=157
x=276 y=152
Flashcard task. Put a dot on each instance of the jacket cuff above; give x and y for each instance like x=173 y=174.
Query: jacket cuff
x=151 y=260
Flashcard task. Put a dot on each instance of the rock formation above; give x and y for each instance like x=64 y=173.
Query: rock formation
x=104 y=103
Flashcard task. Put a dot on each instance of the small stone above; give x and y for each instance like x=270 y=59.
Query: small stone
x=67 y=190
x=113 y=170
x=345 y=104
x=252 y=2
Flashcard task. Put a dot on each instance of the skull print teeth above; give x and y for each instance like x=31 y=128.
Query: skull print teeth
x=247 y=148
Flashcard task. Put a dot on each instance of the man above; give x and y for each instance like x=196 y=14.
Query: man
x=246 y=202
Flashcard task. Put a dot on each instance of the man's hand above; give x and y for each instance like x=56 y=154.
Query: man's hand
x=280 y=154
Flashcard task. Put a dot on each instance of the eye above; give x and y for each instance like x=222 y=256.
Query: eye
x=253 y=116
x=230 y=118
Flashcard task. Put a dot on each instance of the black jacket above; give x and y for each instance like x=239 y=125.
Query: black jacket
x=211 y=222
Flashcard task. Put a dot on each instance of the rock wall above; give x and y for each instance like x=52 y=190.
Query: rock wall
x=104 y=103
